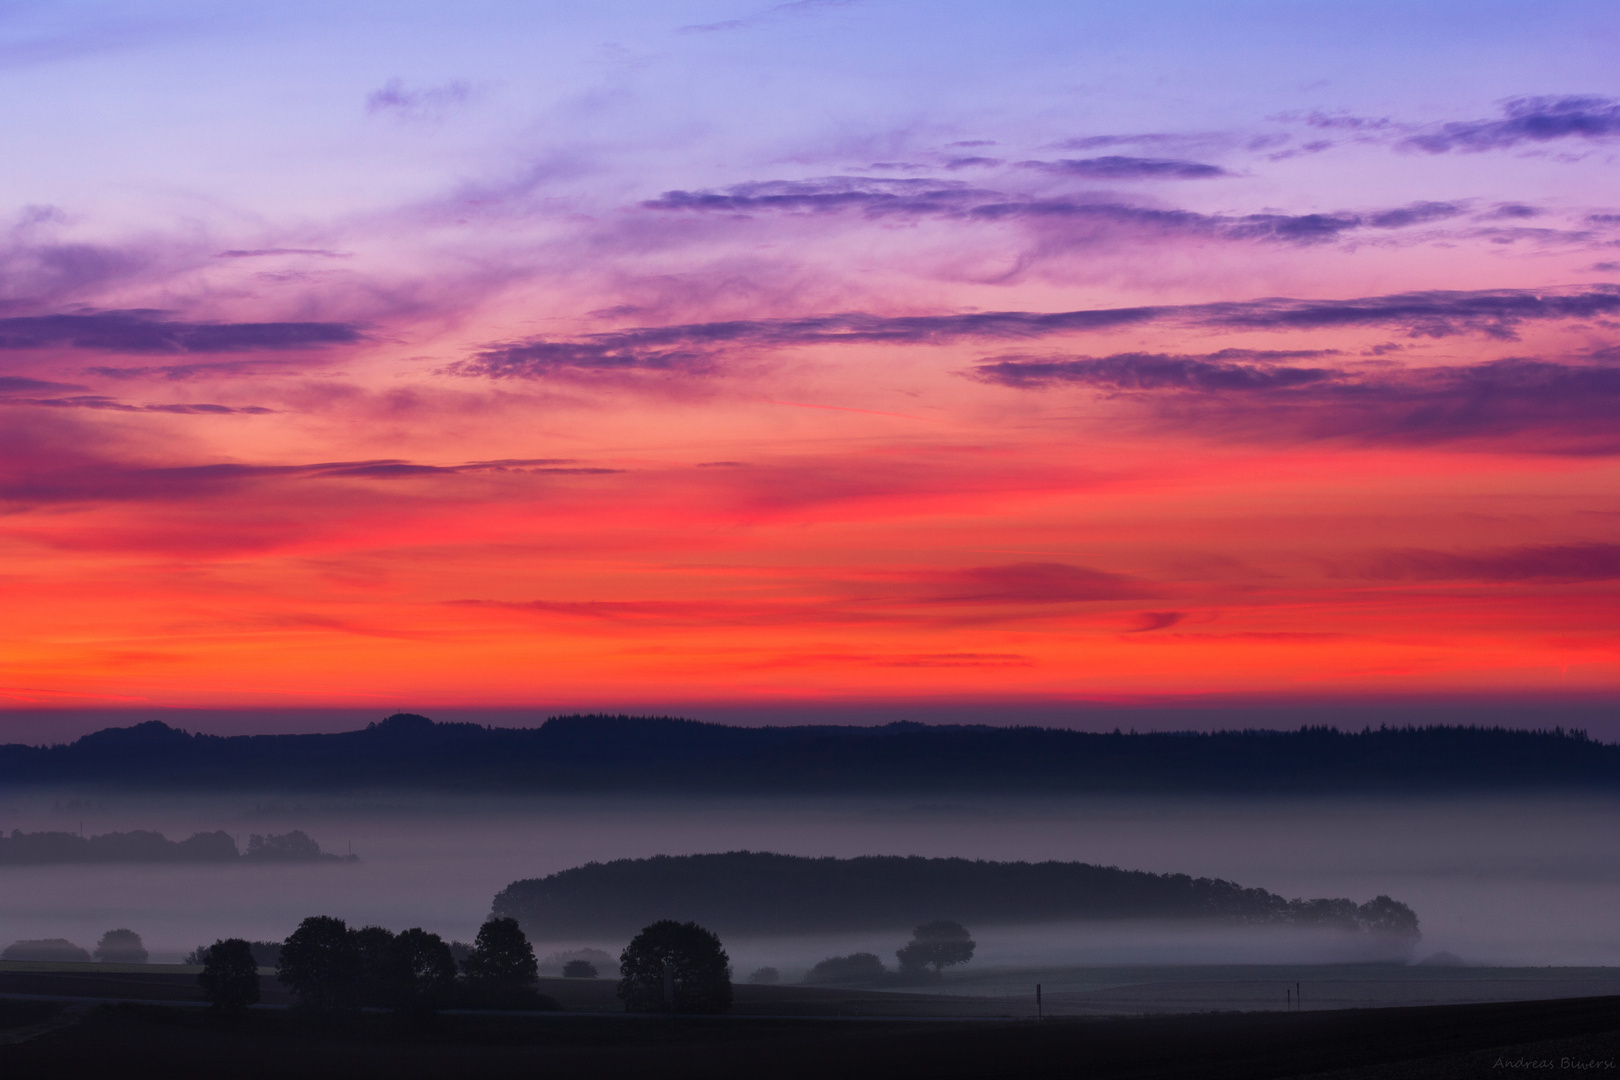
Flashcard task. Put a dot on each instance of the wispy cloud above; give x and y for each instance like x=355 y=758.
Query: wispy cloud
x=1115 y=167
x=1185 y=142
x=200 y=370
x=1524 y=120
x=259 y=253
x=776 y=11
x=424 y=103
x=1418 y=213
x=53 y=272
x=1530 y=562
x=715 y=27
x=978 y=594
x=1149 y=621
x=873 y=196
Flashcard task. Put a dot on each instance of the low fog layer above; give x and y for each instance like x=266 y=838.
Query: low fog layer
x=1521 y=880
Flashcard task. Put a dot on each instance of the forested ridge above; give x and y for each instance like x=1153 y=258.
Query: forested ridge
x=762 y=892
x=623 y=753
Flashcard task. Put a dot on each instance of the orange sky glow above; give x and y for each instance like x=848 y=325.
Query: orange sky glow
x=787 y=411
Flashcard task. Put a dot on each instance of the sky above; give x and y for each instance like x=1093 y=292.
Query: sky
x=484 y=355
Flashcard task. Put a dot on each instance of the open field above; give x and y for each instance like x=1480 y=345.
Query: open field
x=1094 y=991
x=1136 y=989
x=1426 y=1043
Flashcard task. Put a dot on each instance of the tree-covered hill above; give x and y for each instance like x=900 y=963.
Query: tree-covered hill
x=759 y=892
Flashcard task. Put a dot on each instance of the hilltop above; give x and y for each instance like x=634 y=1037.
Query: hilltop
x=664 y=754
x=762 y=892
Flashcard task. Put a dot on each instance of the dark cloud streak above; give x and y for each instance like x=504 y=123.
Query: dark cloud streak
x=875 y=197
x=1222 y=371
x=148 y=332
x=699 y=348
x=60 y=476
x=1547 y=407
x=1036 y=583
x=1532 y=562
x=1116 y=167
x=879 y=198
x=17 y=384
x=96 y=401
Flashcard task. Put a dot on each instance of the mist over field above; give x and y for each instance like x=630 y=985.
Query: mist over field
x=1527 y=880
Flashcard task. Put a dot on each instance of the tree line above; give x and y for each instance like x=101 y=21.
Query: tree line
x=596 y=753
x=121 y=946
x=144 y=845
x=333 y=968
x=934 y=946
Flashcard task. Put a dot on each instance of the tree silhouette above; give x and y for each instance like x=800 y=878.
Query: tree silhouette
x=321 y=961
x=939 y=944
x=121 y=947
x=501 y=967
x=295 y=846
x=675 y=967
x=1381 y=915
x=425 y=971
x=378 y=966
x=230 y=975
x=579 y=969
x=861 y=967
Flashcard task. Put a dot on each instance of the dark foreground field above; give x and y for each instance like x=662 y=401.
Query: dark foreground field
x=1491 y=1040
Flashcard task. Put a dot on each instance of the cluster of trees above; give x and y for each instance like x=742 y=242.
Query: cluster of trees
x=668 y=967
x=120 y=946
x=332 y=967
x=296 y=846
x=934 y=946
x=144 y=845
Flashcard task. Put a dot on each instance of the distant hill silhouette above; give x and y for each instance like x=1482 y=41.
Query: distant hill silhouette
x=641 y=754
x=759 y=892
x=145 y=846
x=46 y=950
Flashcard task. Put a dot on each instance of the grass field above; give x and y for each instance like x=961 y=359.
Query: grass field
x=1126 y=1022
x=1067 y=991
x=1424 y=1043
